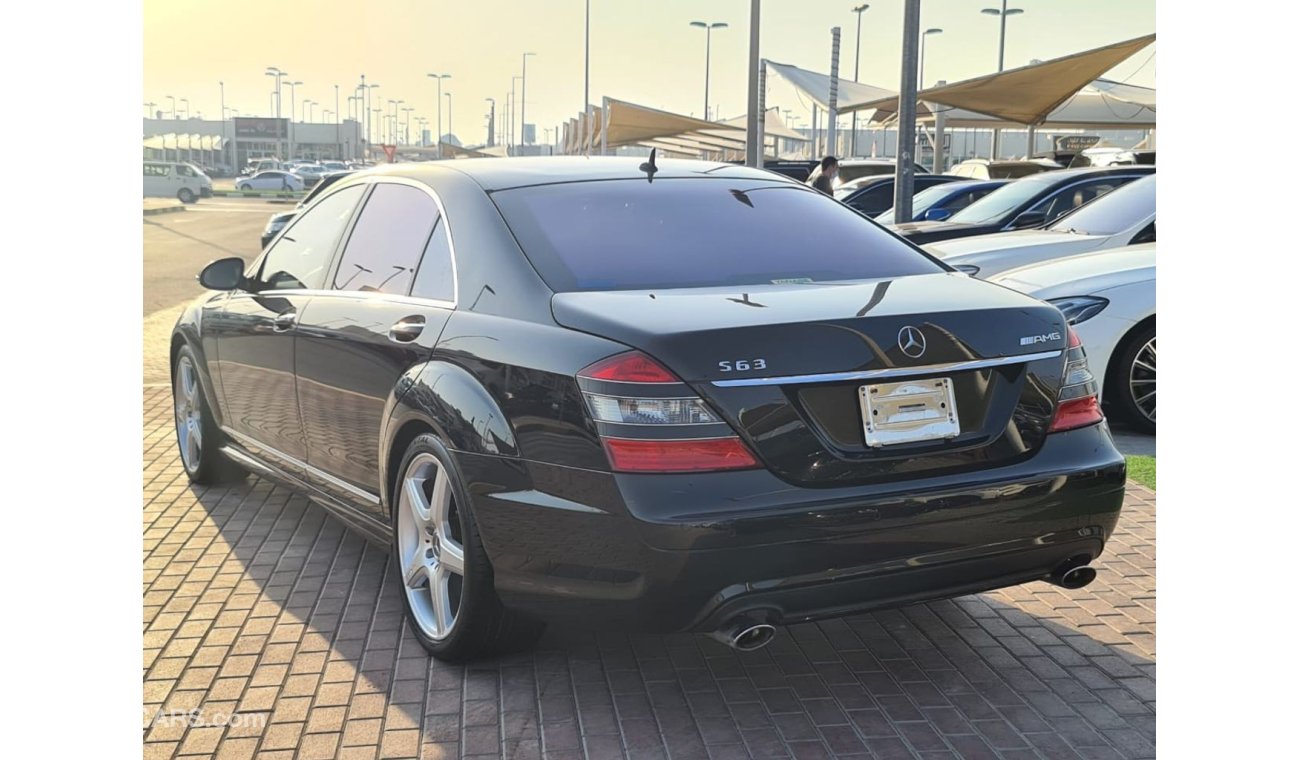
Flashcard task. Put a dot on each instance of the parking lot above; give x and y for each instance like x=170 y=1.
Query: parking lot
x=285 y=632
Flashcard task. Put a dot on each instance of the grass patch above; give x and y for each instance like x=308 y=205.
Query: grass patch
x=1143 y=470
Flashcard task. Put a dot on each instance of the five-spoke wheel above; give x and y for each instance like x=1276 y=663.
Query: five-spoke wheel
x=429 y=544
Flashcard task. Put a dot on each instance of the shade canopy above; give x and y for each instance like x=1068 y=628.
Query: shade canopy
x=1030 y=94
x=773 y=125
x=630 y=123
x=817 y=86
x=1093 y=107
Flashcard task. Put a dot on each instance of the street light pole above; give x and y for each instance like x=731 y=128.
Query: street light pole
x=439 y=78
x=904 y=168
x=920 y=80
x=492 y=117
x=708 y=54
x=449 y=113
x=753 y=119
x=523 y=89
x=272 y=71
x=293 y=108
x=338 y=123
x=1002 y=50
x=586 y=84
x=857 y=58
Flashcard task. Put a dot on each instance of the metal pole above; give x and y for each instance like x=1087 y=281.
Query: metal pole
x=762 y=110
x=753 y=129
x=223 y=115
x=940 y=117
x=903 y=170
x=449 y=113
x=708 y=54
x=857 y=57
x=439 y=117
x=604 y=121
x=586 y=84
x=338 y=122
x=1002 y=49
x=523 y=102
x=832 y=115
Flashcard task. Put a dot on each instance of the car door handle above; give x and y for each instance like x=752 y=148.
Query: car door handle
x=406 y=330
x=285 y=321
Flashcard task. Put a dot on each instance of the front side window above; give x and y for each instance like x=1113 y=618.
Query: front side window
x=690 y=233
x=300 y=257
x=997 y=204
x=183 y=170
x=1070 y=198
x=387 y=241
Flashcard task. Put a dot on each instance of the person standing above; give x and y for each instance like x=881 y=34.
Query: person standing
x=823 y=177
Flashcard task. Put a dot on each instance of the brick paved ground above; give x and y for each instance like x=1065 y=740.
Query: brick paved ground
x=259 y=605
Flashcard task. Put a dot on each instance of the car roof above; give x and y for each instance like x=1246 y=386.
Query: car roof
x=1079 y=172
x=504 y=173
x=866 y=161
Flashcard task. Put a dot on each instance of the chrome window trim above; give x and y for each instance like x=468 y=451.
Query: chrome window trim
x=446 y=230
x=296 y=462
x=888 y=372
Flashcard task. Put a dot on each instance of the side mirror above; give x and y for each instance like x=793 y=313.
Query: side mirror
x=937 y=215
x=223 y=274
x=1028 y=219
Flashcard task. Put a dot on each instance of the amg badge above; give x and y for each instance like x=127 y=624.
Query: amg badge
x=1030 y=340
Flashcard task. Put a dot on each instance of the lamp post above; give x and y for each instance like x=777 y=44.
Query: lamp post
x=1002 y=50
x=920 y=79
x=523 y=88
x=438 y=137
x=293 y=97
x=586 y=80
x=148 y=109
x=858 y=10
x=491 y=125
x=338 y=123
x=514 y=110
x=708 y=51
x=186 y=103
x=448 y=112
x=369 y=111
x=406 y=129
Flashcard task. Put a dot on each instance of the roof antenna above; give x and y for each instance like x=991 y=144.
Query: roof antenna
x=649 y=167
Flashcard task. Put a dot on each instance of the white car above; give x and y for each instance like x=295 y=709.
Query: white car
x=271 y=180
x=1124 y=216
x=1110 y=300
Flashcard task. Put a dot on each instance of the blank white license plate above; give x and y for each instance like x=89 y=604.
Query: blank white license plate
x=909 y=411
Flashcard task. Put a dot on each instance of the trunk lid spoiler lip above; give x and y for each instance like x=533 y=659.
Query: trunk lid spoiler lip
x=885 y=373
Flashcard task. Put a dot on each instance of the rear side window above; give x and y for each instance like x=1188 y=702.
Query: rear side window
x=301 y=255
x=436 y=276
x=684 y=233
x=155 y=170
x=387 y=241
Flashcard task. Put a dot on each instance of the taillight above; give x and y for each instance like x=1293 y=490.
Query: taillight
x=1076 y=403
x=651 y=421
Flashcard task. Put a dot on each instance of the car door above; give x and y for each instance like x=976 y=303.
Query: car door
x=356 y=342
x=255 y=333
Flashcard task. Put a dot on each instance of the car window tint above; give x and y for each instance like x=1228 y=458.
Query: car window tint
x=385 y=245
x=1070 y=198
x=683 y=233
x=436 y=277
x=876 y=200
x=301 y=255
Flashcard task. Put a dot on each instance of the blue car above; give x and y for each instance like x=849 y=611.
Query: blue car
x=937 y=203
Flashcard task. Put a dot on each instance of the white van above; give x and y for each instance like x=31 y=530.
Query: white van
x=167 y=179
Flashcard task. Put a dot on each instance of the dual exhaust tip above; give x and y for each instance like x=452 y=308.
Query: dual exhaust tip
x=746 y=635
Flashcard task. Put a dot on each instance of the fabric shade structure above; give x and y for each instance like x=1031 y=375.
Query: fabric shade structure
x=773 y=126
x=850 y=97
x=1030 y=94
x=1094 y=107
x=630 y=124
x=172 y=141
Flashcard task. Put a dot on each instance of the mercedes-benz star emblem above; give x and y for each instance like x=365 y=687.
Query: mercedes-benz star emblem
x=911 y=341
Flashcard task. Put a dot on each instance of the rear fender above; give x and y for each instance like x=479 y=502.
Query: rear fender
x=448 y=400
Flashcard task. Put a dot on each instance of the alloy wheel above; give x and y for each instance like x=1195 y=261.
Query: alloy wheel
x=189 y=414
x=431 y=553
x=1142 y=380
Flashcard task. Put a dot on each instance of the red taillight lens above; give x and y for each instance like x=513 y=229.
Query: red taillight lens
x=630 y=367
x=688 y=455
x=1078 y=413
x=1076 y=404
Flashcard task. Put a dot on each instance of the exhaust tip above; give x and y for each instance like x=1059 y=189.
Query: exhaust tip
x=745 y=635
x=1078 y=577
x=754 y=637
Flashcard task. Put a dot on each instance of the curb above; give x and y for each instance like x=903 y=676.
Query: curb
x=162 y=210
x=257 y=194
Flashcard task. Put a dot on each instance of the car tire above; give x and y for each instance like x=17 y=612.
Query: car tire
x=186 y=195
x=242 y=188
x=198 y=439
x=1132 y=377
x=455 y=617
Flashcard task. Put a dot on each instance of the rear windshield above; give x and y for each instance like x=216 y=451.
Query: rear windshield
x=685 y=233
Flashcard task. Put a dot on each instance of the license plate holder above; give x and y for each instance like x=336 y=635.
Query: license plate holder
x=909 y=411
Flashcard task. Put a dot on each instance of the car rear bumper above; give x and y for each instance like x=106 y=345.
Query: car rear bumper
x=691 y=552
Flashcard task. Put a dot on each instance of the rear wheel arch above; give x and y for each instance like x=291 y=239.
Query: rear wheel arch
x=1115 y=371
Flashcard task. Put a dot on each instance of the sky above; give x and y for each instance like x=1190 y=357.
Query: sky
x=643 y=51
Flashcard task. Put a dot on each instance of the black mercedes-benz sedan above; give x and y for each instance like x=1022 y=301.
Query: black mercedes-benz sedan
x=1033 y=201
x=656 y=396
